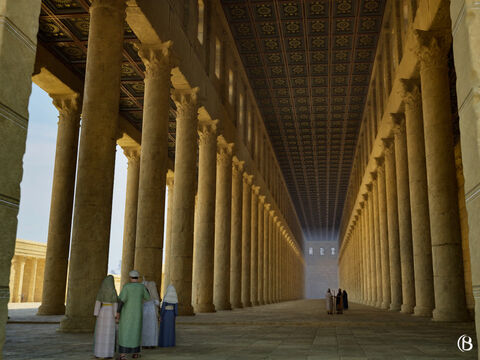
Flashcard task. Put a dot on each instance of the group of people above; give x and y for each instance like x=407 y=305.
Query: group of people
x=137 y=310
x=340 y=300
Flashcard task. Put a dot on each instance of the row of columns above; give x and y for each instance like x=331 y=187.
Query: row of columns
x=404 y=247
x=26 y=278
x=226 y=248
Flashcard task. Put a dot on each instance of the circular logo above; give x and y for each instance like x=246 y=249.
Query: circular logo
x=464 y=343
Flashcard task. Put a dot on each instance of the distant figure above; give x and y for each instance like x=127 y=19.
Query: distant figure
x=329 y=302
x=339 y=302
x=345 y=300
x=130 y=313
x=150 y=317
x=168 y=313
x=105 y=311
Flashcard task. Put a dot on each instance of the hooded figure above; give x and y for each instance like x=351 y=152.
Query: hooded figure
x=329 y=302
x=105 y=311
x=345 y=300
x=150 y=316
x=339 y=302
x=168 y=313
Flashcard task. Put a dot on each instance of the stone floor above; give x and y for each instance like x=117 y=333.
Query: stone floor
x=291 y=330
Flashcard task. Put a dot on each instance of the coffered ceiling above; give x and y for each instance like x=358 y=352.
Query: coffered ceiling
x=309 y=63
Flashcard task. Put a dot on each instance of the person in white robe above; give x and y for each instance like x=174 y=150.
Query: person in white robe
x=150 y=317
x=329 y=302
x=105 y=311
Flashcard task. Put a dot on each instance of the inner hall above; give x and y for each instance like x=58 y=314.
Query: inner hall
x=275 y=149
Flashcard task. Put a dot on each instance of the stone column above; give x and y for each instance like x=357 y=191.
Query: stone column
x=442 y=187
x=39 y=279
x=61 y=205
x=32 y=283
x=376 y=225
x=266 y=258
x=158 y=62
x=404 y=216
x=204 y=232
x=368 y=249
x=168 y=234
x=276 y=225
x=373 y=266
x=271 y=256
x=184 y=197
x=417 y=175
x=223 y=221
x=392 y=218
x=18 y=264
x=383 y=225
x=363 y=250
x=246 y=228
x=261 y=239
x=96 y=164
x=130 y=219
x=236 y=236
x=254 y=246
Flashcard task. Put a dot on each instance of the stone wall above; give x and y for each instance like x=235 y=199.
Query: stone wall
x=320 y=268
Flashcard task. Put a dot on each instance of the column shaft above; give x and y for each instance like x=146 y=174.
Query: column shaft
x=168 y=233
x=373 y=266
x=376 y=225
x=254 y=247
x=96 y=164
x=246 y=233
x=266 y=237
x=261 y=239
x=236 y=236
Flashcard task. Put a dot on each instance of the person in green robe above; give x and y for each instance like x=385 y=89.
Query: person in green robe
x=129 y=315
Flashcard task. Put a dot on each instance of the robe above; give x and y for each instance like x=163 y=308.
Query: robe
x=339 y=304
x=104 y=344
x=345 y=300
x=150 y=323
x=329 y=302
x=167 y=324
x=131 y=316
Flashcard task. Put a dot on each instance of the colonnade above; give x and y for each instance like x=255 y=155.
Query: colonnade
x=26 y=278
x=227 y=244
x=402 y=249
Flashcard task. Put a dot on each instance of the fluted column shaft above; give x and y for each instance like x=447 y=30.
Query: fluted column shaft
x=392 y=217
x=204 y=226
x=96 y=164
x=236 y=235
x=130 y=219
x=168 y=234
x=373 y=266
x=266 y=236
x=383 y=225
x=254 y=247
x=417 y=175
x=223 y=221
x=404 y=218
x=60 y=221
x=158 y=62
x=246 y=233
x=184 y=197
x=450 y=303
x=261 y=239
x=376 y=226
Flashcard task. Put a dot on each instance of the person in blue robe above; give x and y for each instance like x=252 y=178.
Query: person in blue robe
x=345 y=300
x=168 y=313
x=339 y=302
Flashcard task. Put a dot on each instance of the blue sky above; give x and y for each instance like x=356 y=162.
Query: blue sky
x=36 y=186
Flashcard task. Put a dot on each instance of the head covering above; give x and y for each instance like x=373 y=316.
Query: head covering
x=152 y=289
x=134 y=274
x=107 y=292
x=170 y=295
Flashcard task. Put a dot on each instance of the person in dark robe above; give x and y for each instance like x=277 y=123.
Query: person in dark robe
x=168 y=313
x=345 y=300
x=339 y=302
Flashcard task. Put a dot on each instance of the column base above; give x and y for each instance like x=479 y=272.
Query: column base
x=385 y=305
x=77 y=324
x=45 y=309
x=261 y=302
x=225 y=306
x=378 y=304
x=422 y=311
x=204 y=308
x=406 y=309
x=450 y=316
x=255 y=303
x=246 y=304
x=185 y=310
x=394 y=307
x=237 y=305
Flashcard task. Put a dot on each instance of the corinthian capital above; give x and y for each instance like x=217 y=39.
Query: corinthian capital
x=398 y=120
x=432 y=47
x=186 y=102
x=159 y=60
x=207 y=131
x=224 y=149
x=132 y=153
x=237 y=165
x=256 y=190
x=261 y=199
x=247 y=178
x=68 y=106
x=410 y=92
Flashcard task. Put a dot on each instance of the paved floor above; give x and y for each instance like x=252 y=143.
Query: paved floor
x=291 y=330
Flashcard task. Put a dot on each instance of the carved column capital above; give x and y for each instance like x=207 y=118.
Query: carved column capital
x=186 y=101
x=132 y=153
x=256 y=190
x=369 y=188
x=207 y=131
x=267 y=207
x=261 y=198
x=247 y=178
x=398 y=120
x=365 y=196
x=237 y=165
x=224 y=149
x=410 y=91
x=388 y=145
x=158 y=59
x=170 y=177
x=432 y=48
x=68 y=106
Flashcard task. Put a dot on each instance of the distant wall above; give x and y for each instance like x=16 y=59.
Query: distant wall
x=321 y=270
